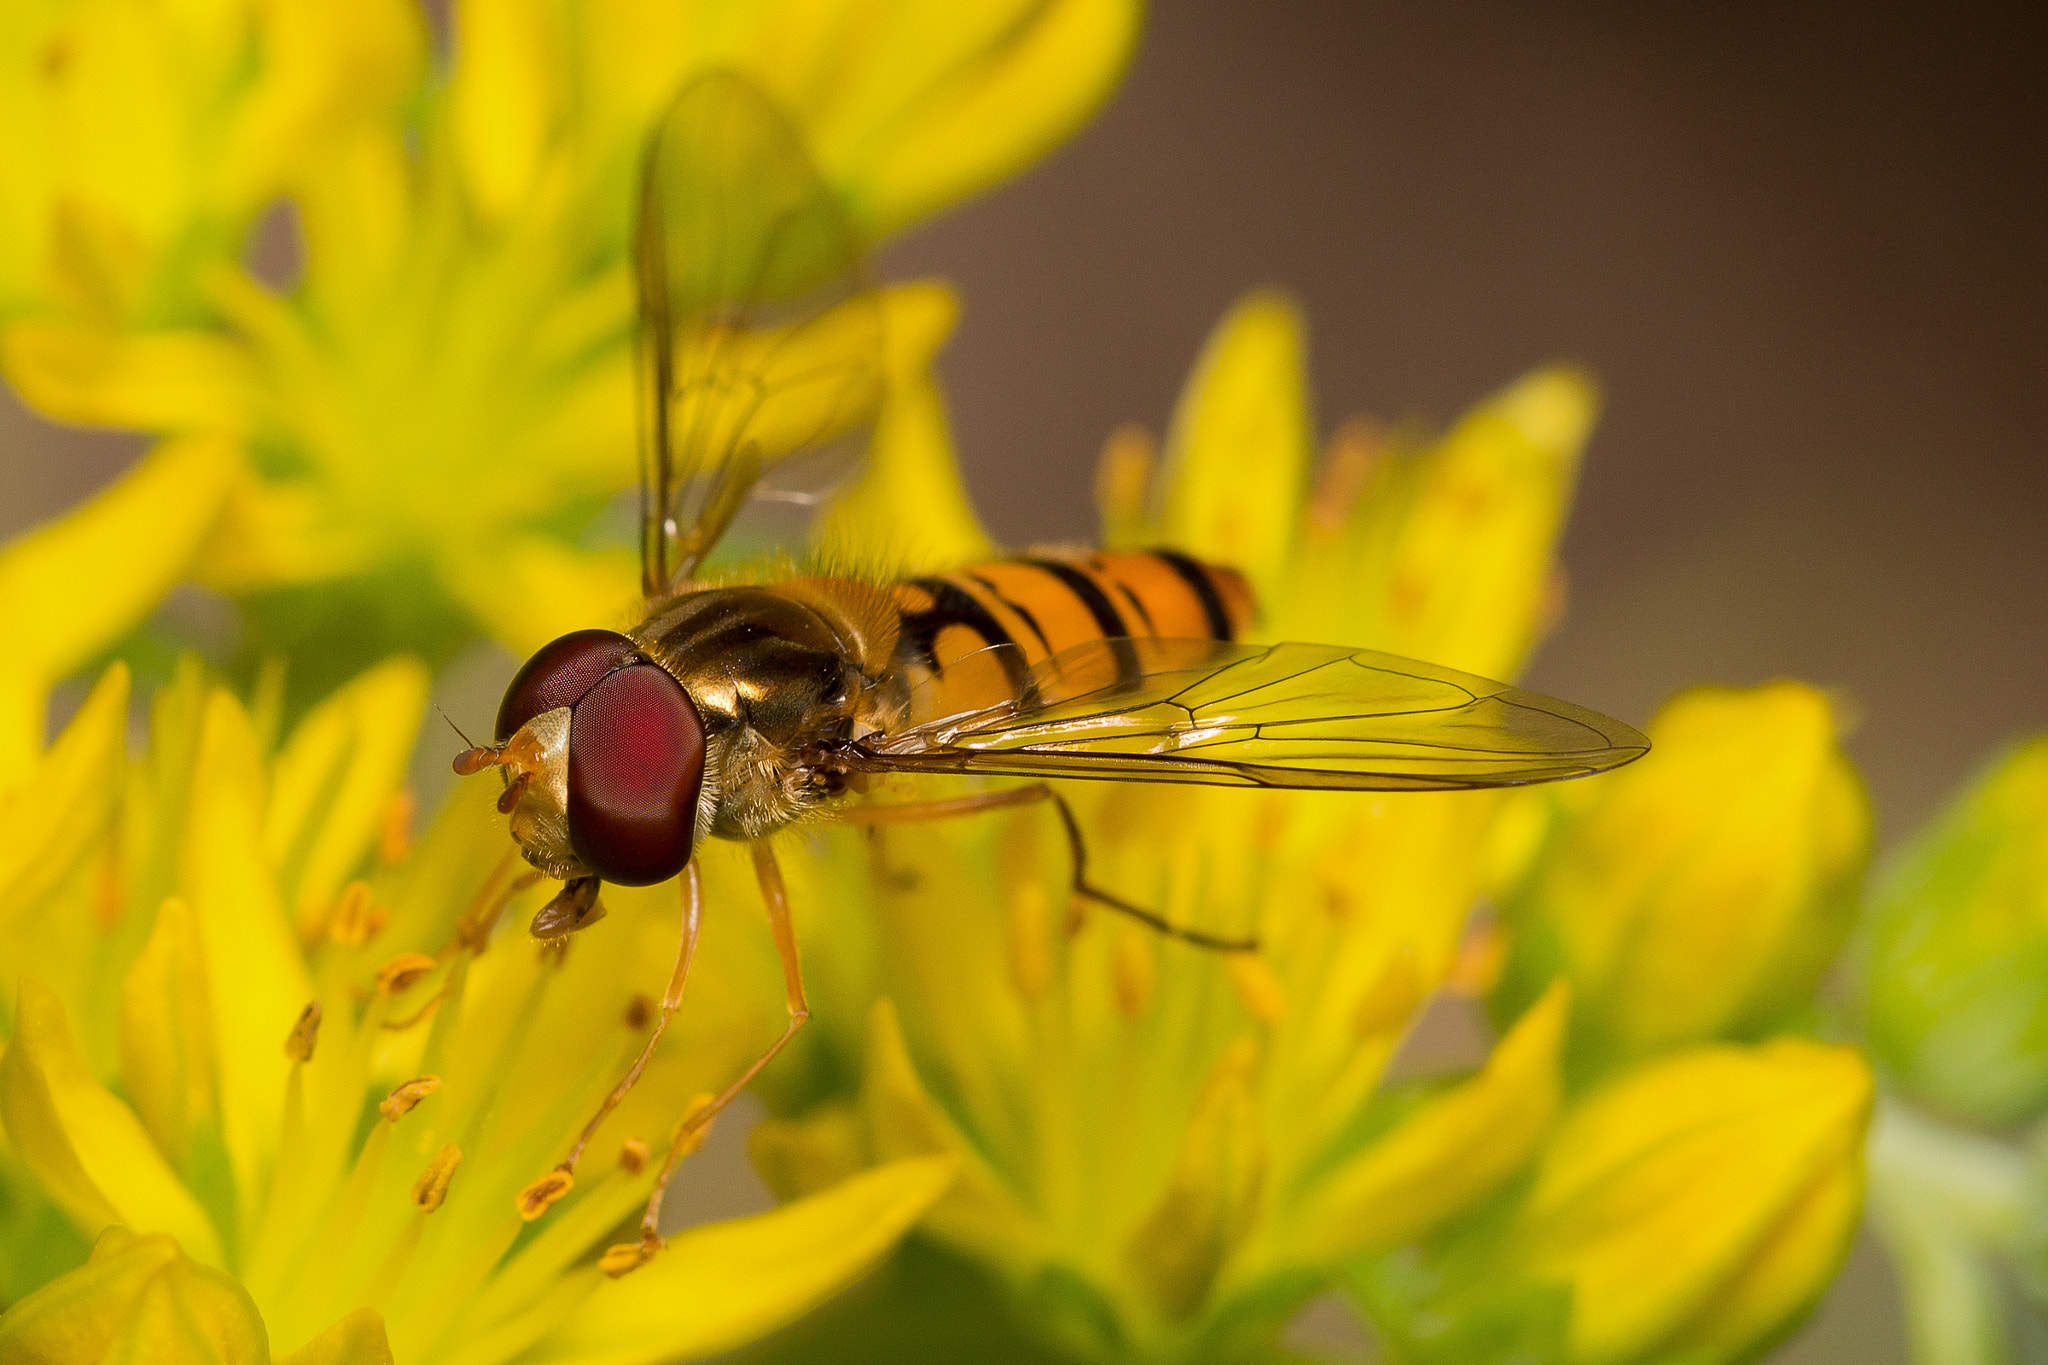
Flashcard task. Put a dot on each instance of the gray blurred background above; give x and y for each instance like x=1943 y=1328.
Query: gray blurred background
x=1802 y=245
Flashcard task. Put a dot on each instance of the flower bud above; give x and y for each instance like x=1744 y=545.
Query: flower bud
x=1953 y=964
x=1699 y=893
x=1696 y=1208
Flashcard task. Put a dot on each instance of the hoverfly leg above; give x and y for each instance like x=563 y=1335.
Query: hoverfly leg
x=620 y=1259
x=671 y=1001
x=907 y=812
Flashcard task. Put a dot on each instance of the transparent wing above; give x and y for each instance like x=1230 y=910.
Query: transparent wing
x=760 y=338
x=1287 y=715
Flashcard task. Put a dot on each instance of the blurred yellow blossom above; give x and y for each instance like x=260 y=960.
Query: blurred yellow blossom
x=1701 y=893
x=1953 y=958
x=443 y=399
x=1691 y=1210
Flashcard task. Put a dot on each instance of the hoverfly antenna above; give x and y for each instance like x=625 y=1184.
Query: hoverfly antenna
x=473 y=759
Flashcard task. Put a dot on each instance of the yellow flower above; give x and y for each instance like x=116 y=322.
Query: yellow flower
x=437 y=414
x=1692 y=1210
x=268 y=1061
x=1165 y=1149
x=1700 y=893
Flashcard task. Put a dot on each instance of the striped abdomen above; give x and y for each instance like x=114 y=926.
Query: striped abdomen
x=1043 y=604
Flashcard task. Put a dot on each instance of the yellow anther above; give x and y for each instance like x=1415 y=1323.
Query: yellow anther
x=298 y=1044
x=354 y=920
x=403 y=972
x=1132 y=971
x=639 y=1011
x=1258 y=986
x=628 y=1256
x=1030 y=959
x=537 y=1198
x=394 y=837
x=633 y=1156
x=400 y=1102
x=432 y=1187
x=1480 y=958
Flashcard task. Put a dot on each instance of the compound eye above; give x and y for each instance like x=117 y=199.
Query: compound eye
x=636 y=764
x=560 y=674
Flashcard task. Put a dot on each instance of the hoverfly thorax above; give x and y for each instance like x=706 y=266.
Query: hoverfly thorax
x=774 y=682
x=603 y=751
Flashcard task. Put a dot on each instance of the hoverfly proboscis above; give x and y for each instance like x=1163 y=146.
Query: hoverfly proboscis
x=736 y=711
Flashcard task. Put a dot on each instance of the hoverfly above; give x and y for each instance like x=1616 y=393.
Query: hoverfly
x=736 y=711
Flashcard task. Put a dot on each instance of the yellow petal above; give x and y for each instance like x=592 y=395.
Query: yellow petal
x=1662 y=1195
x=148 y=381
x=74 y=585
x=166 y=1039
x=911 y=503
x=529 y=590
x=1448 y=1155
x=323 y=72
x=64 y=807
x=504 y=99
x=138 y=1299
x=1237 y=453
x=1456 y=539
x=904 y=1121
x=1704 y=890
x=87 y=1148
x=357 y=1339
x=333 y=782
x=1026 y=86
x=720 y=1286
x=1177 y=1248
x=255 y=976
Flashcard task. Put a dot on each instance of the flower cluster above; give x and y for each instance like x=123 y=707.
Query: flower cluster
x=276 y=1064
x=1167 y=1151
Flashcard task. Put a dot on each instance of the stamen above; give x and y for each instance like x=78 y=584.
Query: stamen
x=633 y=1156
x=639 y=1012
x=537 y=1198
x=432 y=1187
x=400 y=1102
x=629 y=1256
x=1030 y=959
x=298 y=1044
x=352 y=921
x=403 y=972
x=1132 y=972
x=1258 y=987
x=394 y=837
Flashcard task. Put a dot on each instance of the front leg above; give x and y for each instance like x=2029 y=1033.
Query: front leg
x=631 y=1255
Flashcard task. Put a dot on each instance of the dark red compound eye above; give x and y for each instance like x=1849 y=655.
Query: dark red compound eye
x=636 y=764
x=560 y=674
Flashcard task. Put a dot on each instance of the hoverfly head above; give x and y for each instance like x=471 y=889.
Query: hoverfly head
x=603 y=753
